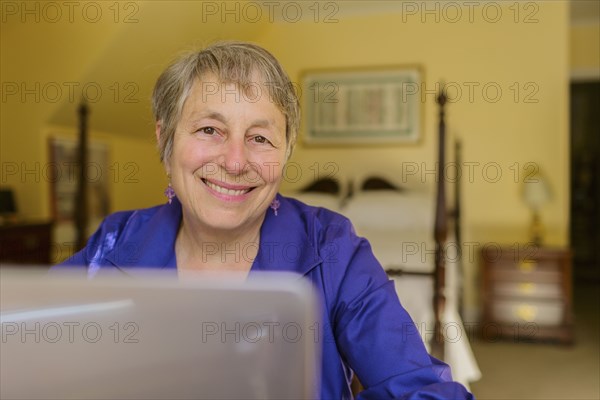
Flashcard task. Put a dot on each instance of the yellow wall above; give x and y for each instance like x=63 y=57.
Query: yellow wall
x=585 y=48
x=33 y=56
x=506 y=134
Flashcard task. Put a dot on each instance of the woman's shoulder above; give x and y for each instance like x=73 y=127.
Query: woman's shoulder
x=326 y=228
x=133 y=223
x=140 y=215
x=128 y=229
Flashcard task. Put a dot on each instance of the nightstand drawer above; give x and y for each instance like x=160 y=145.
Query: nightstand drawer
x=513 y=275
x=526 y=289
x=25 y=243
x=526 y=265
x=543 y=313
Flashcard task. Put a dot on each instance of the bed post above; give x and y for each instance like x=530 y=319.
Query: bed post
x=457 y=225
x=440 y=231
x=80 y=210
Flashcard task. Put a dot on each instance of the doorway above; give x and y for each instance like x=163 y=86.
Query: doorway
x=584 y=229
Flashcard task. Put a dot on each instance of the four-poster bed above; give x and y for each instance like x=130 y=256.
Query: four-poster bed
x=415 y=235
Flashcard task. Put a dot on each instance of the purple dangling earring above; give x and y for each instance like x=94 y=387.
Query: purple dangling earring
x=275 y=205
x=169 y=192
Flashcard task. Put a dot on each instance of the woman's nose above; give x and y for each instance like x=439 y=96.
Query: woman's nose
x=234 y=157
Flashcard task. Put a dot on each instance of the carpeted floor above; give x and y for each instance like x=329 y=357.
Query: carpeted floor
x=527 y=371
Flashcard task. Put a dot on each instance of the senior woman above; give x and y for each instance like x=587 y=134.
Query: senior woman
x=227 y=118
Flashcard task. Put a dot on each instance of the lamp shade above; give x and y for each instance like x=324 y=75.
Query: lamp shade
x=536 y=192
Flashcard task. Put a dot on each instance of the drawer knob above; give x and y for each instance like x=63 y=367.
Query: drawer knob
x=526 y=312
x=527 y=287
x=527 y=266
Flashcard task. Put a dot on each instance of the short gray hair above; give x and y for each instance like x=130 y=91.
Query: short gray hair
x=231 y=62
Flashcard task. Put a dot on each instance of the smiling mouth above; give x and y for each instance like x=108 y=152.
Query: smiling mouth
x=226 y=191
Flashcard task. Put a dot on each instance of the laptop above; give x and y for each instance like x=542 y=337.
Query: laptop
x=156 y=336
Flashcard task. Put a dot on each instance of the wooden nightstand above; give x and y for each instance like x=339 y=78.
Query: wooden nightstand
x=26 y=243
x=527 y=293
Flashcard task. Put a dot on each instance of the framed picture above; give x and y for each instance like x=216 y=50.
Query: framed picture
x=379 y=105
x=62 y=174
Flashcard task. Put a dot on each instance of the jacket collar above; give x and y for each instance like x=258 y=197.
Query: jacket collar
x=148 y=238
x=285 y=242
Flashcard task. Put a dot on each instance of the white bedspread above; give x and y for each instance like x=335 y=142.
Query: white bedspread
x=412 y=251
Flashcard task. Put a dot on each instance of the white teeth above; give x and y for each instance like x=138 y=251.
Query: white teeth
x=228 y=192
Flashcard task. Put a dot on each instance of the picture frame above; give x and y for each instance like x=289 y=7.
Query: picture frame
x=362 y=106
x=62 y=174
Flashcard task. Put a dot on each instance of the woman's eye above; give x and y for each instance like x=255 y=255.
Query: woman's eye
x=261 y=139
x=209 y=130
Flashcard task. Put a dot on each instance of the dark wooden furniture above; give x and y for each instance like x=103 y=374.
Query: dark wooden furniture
x=527 y=293
x=80 y=214
x=440 y=231
x=25 y=243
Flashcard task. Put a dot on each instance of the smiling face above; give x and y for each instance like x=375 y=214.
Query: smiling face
x=229 y=150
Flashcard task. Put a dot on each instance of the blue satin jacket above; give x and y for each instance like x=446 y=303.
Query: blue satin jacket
x=365 y=329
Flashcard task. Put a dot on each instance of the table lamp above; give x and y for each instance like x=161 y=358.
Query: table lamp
x=536 y=193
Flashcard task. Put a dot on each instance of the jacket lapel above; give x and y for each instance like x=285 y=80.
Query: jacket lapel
x=148 y=239
x=285 y=244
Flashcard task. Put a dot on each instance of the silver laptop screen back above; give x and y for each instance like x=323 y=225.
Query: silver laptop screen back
x=158 y=337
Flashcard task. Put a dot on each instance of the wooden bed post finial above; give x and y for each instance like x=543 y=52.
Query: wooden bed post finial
x=81 y=210
x=440 y=232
